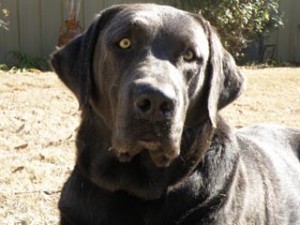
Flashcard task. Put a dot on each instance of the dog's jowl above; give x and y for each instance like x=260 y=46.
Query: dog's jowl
x=151 y=148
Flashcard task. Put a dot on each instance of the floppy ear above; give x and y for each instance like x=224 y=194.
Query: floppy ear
x=73 y=63
x=226 y=82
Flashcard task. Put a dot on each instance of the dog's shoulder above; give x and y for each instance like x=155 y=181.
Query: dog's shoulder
x=270 y=155
x=271 y=138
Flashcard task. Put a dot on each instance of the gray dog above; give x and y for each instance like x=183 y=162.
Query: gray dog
x=151 y=148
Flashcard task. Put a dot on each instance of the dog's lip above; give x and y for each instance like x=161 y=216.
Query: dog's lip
x=162 y=152
x=150 y=145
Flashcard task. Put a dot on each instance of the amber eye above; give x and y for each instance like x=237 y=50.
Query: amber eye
x=124 y=43
x=188 y=55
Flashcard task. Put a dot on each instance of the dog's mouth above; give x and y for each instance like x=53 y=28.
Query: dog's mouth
x=158 y=142
x=161 y=154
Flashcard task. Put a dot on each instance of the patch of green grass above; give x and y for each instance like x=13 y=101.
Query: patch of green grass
x=23 y=62
x=27 y=62
x=4 y=67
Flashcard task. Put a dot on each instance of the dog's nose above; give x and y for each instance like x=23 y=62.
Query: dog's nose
x=154 y=103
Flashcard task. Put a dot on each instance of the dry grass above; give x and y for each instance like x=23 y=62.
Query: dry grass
x=38 y=122
x=271 y=96
x=38 y=119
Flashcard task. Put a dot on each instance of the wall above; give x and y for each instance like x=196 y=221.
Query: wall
x=287 y=39
x=35 y=25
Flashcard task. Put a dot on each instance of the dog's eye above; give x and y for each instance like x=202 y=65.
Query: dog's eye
x=124 y=43
x=188 y=55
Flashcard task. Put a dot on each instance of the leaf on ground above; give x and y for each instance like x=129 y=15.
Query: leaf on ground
x=20 y=128
x=22 y=146
x=18 y=169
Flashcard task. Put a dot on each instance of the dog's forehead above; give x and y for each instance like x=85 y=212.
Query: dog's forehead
x=148 y=13
x=146 y=17
x=154 y=17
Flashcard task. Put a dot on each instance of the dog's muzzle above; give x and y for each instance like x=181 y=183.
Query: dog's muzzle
x=153 y=108
x=154 y=103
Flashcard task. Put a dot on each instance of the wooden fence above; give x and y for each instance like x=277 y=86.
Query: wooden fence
x=35 y=25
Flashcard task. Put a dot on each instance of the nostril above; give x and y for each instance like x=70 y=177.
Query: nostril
x=167 y=107
x=144 y=105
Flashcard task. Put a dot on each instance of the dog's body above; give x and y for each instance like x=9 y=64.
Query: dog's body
x=151 y=148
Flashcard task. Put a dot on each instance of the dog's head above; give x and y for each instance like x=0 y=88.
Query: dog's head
x=149 y=73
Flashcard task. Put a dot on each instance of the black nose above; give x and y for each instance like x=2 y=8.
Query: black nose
x=154 y=103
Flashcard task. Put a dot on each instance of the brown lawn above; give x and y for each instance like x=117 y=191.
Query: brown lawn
x=39 y=118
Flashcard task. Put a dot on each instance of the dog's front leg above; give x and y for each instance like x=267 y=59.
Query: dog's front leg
x=83 y=203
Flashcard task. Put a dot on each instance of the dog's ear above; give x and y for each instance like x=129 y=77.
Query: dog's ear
x=226 y=82
x=73 y=62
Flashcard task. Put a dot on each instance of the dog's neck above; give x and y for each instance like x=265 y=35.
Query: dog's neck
x=212 y=180
x=200 y=145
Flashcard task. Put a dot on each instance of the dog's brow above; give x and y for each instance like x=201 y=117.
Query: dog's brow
x=129 y=28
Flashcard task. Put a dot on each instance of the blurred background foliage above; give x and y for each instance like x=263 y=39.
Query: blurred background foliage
x=238 y=22
x=4 y=13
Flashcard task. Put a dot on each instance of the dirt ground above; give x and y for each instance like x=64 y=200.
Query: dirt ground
x=38 y=122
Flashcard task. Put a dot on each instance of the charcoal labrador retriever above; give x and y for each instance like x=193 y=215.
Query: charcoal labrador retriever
x=151 y=147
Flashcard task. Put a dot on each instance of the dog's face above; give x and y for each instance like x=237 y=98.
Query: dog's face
x=154 y=69
x=149 y=73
